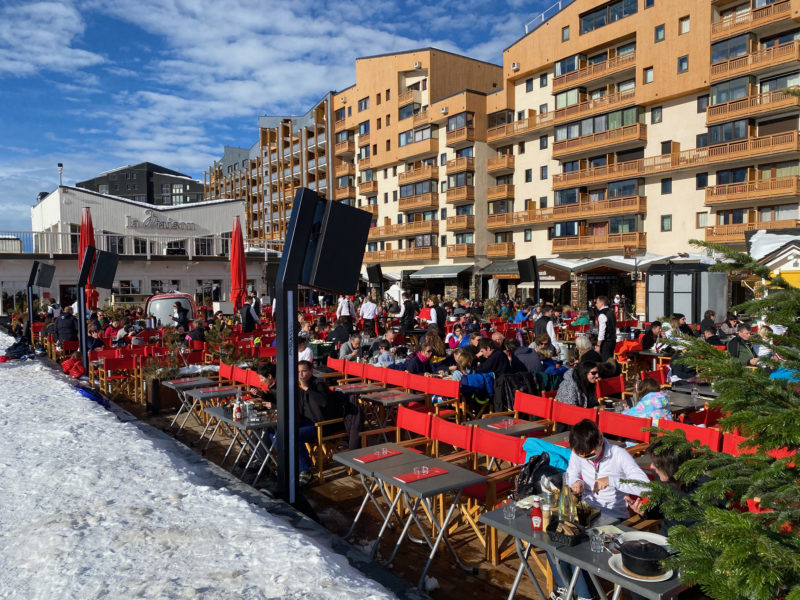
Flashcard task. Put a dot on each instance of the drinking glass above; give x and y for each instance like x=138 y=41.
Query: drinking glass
x=510 y=509
x=597 y=540
x=417 y=471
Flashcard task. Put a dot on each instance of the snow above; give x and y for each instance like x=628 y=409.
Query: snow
x=94 y=507
x=763 y=243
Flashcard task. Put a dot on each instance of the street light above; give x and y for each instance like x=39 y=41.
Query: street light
x=60 y=172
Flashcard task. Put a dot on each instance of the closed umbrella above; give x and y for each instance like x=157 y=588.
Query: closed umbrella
x=238 y=267
x=85 y=240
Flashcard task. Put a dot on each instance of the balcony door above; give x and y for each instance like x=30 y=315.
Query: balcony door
x=598 y=230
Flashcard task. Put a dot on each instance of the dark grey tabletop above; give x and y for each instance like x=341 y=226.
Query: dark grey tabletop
x=558 y=438
x=519 y=527
x=456 y=478
x=680 y=402
x=519 y=428
x=359 y=388
x=704 y=388
x=406 y=457
x=213 y=392
x=188 y=383
x=392 y=397
x=225 y=413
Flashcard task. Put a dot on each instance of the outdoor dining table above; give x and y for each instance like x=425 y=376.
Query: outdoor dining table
x=682 y=402
x=653 y=356
x=200 y=396
x=181 y=386
x=379 y=404
x=251 y=434
x=580 y=556
x=508 y=425
x=360 y=388
x=705 y=390
x=415 y=491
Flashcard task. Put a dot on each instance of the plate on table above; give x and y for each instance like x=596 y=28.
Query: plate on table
x=615 y=562
x=655 y=538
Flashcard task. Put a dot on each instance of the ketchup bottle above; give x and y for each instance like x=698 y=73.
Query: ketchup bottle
x=536 y=515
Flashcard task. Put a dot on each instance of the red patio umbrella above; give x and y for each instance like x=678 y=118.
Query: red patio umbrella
x=238 y=267
x=87 y=239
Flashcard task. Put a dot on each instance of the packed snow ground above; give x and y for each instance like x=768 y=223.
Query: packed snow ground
x=91 y=507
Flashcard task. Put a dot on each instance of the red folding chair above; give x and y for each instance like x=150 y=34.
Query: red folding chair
x=731 y=445
x=396 y=378
x=626 y=428
x=452 y=434
x=707 y=436
x=611 y=387
x=540 y=407
x=568 y=414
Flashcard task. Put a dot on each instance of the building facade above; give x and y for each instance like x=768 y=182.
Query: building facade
x=148 y=183
x=616 y=130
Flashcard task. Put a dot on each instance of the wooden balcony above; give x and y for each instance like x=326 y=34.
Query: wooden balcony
x=461 y=223
x=342 y=169
x=518 y=130
x=460 y=250
x=368 y=187
x=339 y=125
x=364 y=162
x=761 y=60
x=345 y=149
x=500 y=165
x=590 y=107
x=588 y=73
x=407 y=254
x=420 y=174
x=344 y=192
x=747 y=149
x=600 y=243
x=462 y=163
x=404 y=229
x=605 y=139
x=758 y=104
x=371 y=209
x=363 y=139
x=734 y=234
x=463 y=136
x=500 y=250
x=568 y=212
x=747 y=21
x=508 y=220
x=748 y=191
x=423 y=117
x=463 y=194
x=499 y=192
x=419 y=202
x=421 y=149
x=408 y=96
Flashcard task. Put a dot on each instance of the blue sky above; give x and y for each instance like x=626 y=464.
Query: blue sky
x=98 y=84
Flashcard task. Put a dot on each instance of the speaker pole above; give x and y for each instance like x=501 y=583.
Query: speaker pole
x=88 y=259
x=31 y=279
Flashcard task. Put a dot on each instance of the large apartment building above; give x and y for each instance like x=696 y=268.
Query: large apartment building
x=612 y=129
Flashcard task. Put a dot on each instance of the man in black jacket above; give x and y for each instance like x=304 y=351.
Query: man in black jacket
x=492 y=360
x=248 y=316
x=67 y=326
x=180 y=315
x=606 y=328
x=652 y=335
x=406 y=315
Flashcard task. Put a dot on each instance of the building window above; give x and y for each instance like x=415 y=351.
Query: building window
x=543 y=80
x=527 y=234
x=386 y=197
x=529 y=84
x=443 y=159
x=528 y=175
x=378 y=98
x=165 y=188
x=363 y=104
x=655 y=115
x=647 y=75
x=543 y=172
x=683 y=64
x=565 y=33
x=666 y=186
x=606 y=14
x=116 y=244
x=520 y=115
x=666 y=222
x=394 y=196
x=649 y=3
x=443 y=214
x=659 y=35
x=124 y=286
x=701 y=220
x=701 y=140
x=543 y=109
x=701 y=181
x=543 y=202
x=140 y=246
x=521 y=148
x=204 y=246
x=683 y=25
x=702 y=103
x=443 y=187
x=542 y=142
x=388 y=94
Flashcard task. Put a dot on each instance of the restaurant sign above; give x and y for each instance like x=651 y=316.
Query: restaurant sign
x=153 y=221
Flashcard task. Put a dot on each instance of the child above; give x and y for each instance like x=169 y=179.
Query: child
x=385 y=356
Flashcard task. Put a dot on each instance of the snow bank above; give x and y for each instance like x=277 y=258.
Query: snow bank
x=93 y=508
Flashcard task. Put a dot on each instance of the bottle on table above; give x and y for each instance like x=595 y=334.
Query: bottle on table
x=536 y=514
x=695 y=396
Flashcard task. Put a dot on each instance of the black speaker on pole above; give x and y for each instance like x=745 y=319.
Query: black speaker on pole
x=44 y=275
x=32 y=276
x=375 y=274
x=86 y=266
x=529 y=272
x=105 y=269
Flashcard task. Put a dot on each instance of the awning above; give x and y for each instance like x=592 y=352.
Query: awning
x=501 y=267
x=391 y=276
x=544 y=285
x=440 y=272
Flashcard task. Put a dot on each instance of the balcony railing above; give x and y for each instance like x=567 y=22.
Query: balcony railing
x=422 y=117
x=461 y=136
x=519 y=129
x=500 y=250
x=370 y=208
x=500 y=192
x=460 y=250
x=584 y=209
x=363 y=139
x=751 y=106
x=344 y=192
x=756 y=61
x=746 y=21
x=418 y=149
x=364 y=162
x=402 y=229
x=746 y=149
x=611 y=241
x=500 y=164
x=601 y=69
x=420 y=174
x=776 y=187
x=407 y=254
x=462 y=163
x=408 y=96
x=589 y=107
x=461 y=223
x=461 y=194
x=339 y=125
x=735 y=234
x=419 y=202
x=621 y=135
x=345 y=148
x=368 y=187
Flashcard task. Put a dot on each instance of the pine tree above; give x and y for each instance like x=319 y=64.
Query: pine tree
x=729 y=552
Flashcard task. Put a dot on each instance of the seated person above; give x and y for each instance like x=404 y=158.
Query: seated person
x=266 y=393
x=740 y=347
x=710 y=336
x=528 y=357
x=390 y=336
x=420 y=362
x=578 y=387
x=492 y=360
x=385 y=356
x=315 y=402
x=340 y=333
x=93 y=341
x=197 y=332
x=652 y=335
x=303 y=351
x=652 y=402
x=585 y=347
x=352 y=349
